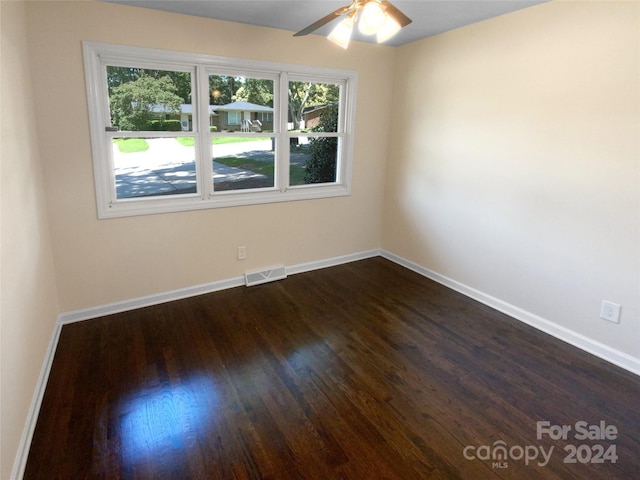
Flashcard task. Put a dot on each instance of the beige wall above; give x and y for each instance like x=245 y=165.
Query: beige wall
x=513 y=169
x=514 y=166
x=48 y=199
x=28 y=303
x=104 y=261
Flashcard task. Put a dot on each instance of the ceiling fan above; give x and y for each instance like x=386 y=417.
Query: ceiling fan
x=377 y=17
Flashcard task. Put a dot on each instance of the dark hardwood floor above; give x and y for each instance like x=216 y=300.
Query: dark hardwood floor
x=361 y=371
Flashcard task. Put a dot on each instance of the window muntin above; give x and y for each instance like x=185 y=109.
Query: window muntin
x=186 y=146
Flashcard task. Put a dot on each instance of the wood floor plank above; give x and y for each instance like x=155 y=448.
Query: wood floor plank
x=365 y=370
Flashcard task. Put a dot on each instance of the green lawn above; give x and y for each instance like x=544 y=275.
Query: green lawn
x=131 y=145
x=190 y=142
x=257 y=166
x=296 y=173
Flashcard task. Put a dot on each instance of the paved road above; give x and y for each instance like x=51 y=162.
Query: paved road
x=168 y=167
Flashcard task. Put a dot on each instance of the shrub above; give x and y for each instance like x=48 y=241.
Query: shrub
x=321 y=167
x=165 y=126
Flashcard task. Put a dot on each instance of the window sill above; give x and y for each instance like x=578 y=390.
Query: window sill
x=188 y=202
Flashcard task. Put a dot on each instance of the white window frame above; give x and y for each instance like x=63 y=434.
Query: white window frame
x=98 y=55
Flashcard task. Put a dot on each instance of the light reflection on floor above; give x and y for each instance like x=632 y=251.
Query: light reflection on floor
x=164 y=418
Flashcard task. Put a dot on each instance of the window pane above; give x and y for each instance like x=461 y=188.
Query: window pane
x=240 y=104
x=243 y=162
x=149 y=100
x=146 y=167
x=312 y=160
x=313 y=107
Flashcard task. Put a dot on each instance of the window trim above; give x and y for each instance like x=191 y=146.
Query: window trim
x=97 y=55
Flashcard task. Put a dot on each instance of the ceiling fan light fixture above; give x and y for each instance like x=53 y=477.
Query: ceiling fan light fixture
x=388 y=30
x=341 y=34
x=377 y=17
x=372 y=18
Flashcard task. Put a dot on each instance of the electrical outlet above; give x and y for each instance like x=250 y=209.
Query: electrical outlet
x=242 y=252
x=610 y=311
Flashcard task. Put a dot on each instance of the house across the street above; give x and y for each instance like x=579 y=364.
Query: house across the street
x=242 y=116
x=232 y=117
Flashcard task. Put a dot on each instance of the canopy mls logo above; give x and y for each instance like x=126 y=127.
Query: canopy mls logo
x=499 y=453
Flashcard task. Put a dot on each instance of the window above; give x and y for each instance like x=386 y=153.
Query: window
x=233 y=118
x=176 y=131
x=265 y=116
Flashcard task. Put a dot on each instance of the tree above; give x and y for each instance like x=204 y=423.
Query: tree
x=304 y=94
x=132 y=103
x=256 y=90
x=225 y=89
x=222 y=89
x=321 y=166
x=116 y=76
x=299 y=93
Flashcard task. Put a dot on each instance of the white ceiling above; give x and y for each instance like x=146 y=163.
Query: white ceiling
x=430 y=17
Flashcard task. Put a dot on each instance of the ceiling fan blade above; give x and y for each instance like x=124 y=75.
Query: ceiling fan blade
x=323 y=21
x=396 y=14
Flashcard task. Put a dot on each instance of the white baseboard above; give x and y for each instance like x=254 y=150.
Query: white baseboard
x=126 y=305
x=332 y=262
x=578 y=340
x=156 y=299
x=20 y=461
x=587 y=344
x=600 y=350
x=146 y=301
